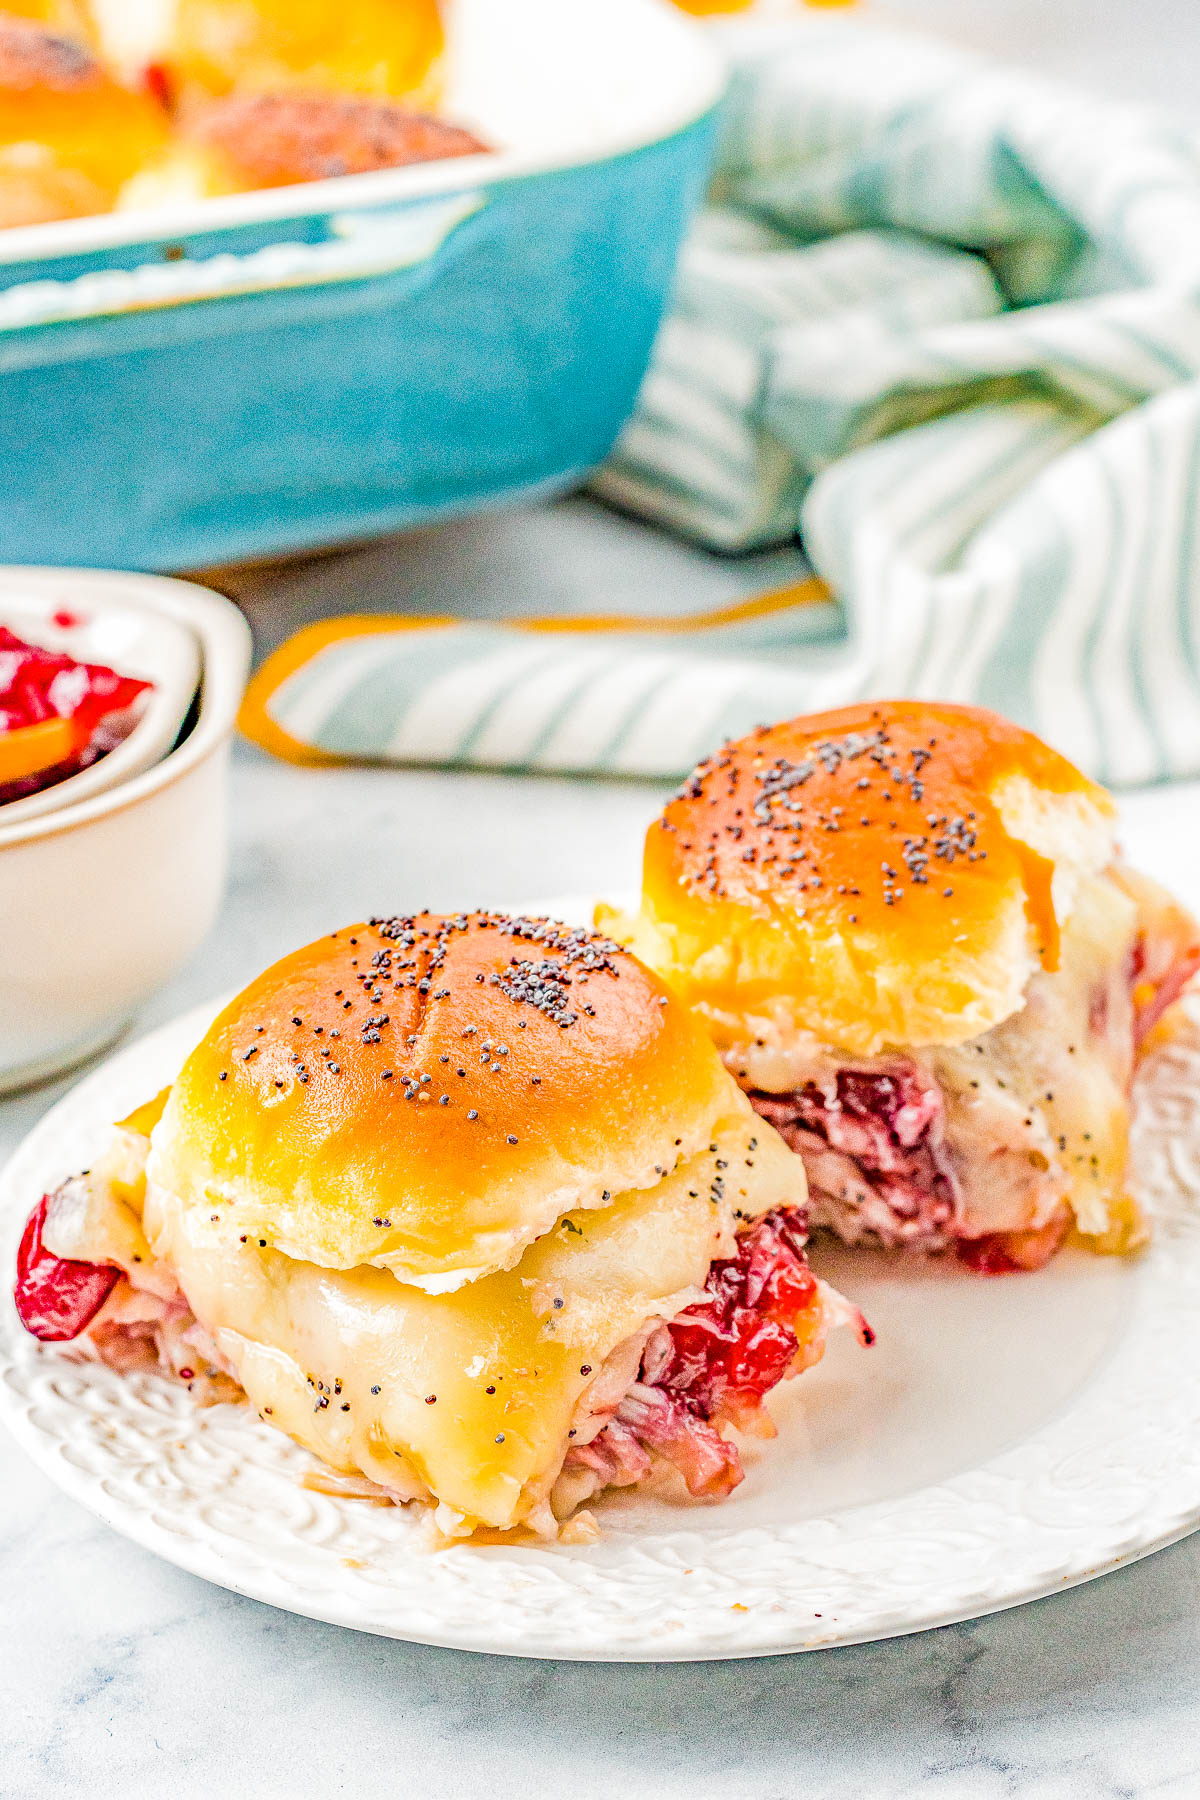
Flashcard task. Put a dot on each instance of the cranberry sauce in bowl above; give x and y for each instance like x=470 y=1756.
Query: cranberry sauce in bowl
x=58 y=715
x=110 y=877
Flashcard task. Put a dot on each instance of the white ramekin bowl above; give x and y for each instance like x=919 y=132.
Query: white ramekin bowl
x=100 y=903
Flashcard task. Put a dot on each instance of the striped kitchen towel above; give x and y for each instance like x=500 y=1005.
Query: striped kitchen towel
x=944 y=320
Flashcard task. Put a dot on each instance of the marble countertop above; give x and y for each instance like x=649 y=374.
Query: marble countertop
x=122 y=1675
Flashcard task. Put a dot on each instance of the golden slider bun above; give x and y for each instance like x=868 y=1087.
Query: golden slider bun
x=429 y=1095
x=70 y=135
x=887 y=875
x=381 y=47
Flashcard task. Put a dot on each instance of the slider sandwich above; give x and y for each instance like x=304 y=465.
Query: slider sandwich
x=244 y=142
x=71 y=134
x=910 y=932
x=469 y=1207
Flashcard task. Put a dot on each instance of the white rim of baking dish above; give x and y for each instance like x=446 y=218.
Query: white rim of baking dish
x=694 y=80
x=225 y=646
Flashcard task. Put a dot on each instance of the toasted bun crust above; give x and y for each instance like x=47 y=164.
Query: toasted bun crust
x=890 y=874
x=244 y=142
x=271 y=140
x=429 y=1095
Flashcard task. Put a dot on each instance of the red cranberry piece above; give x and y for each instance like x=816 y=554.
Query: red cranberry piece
x=56 y=1298
x=740 y=1340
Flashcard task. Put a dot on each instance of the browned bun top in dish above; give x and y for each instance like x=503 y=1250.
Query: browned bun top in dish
x=898 y=868
x=70 y=135
x=386 y=48
x=430 y=1094
x=272 y=140
x=70 y=16
x=33 y=57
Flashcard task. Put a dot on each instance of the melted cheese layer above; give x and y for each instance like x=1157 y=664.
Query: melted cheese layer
x=466 y=1396
x=1038 y=1110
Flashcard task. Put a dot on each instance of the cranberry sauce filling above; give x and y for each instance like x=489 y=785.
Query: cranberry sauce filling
x=38 y=684
x=57 y=1299
x=734 y=1347
x=716 y=1361
x=871 y=1141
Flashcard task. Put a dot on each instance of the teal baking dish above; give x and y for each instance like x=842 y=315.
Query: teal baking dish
x=257 y=376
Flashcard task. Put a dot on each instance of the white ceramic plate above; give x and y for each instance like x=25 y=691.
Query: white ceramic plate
x=51 y=607
x=1005 y=1439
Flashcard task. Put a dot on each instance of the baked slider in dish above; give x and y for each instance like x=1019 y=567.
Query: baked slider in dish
x=469 y=1207
x=376 y=47
x=70 y=134
x=250 y=141
x=58 y=715
x=910 y=933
